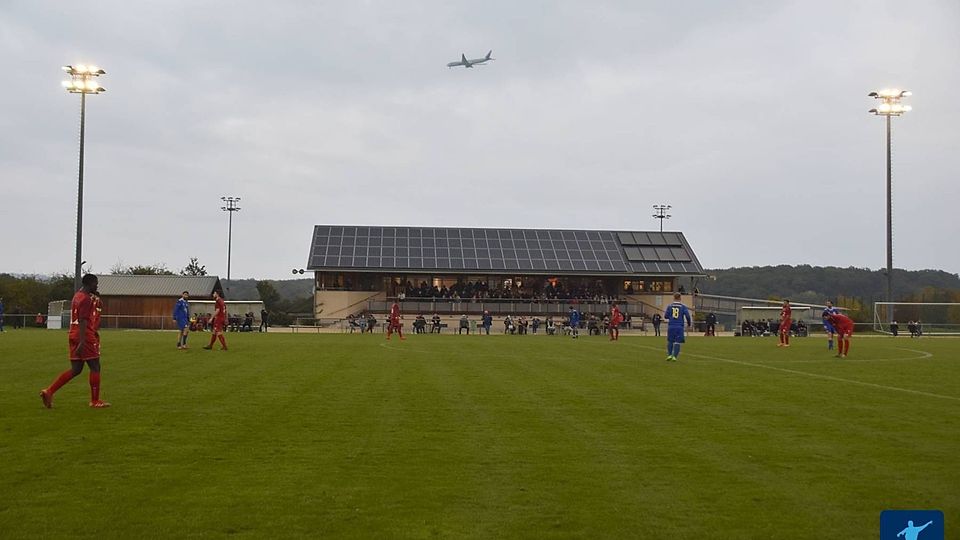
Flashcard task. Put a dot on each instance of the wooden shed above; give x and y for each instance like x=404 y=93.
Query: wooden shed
x=147 y=301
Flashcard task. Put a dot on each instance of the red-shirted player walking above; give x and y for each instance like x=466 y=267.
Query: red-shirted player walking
x=785 y=320
x=394 y=323
x=84 y=340
x=219 y=322
x=616 y=318
x=844 y=327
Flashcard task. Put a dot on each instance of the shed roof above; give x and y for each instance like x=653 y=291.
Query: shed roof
x=127 y=285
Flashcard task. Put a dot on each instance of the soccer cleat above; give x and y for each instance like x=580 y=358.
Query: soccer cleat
x=209 y=347
x=99 y=404
x=670 y=358
x=47 y=398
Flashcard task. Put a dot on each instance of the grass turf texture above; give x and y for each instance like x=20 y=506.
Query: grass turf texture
x=501 y=436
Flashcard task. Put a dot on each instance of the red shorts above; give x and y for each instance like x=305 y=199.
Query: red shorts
x=785 y=325
x=90 y=350
x=844 y=330
x=218 y=326
x=394 y=325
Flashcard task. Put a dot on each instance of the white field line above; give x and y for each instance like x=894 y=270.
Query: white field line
x=817 y=375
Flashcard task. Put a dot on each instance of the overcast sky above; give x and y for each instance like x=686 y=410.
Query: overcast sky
x=750 y=118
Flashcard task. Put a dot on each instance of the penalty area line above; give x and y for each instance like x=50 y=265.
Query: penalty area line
x=820 y=376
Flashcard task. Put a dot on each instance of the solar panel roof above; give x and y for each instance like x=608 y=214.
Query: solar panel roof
x=537 y=251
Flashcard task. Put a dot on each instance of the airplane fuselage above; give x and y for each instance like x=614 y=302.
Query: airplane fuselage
x=471 y=62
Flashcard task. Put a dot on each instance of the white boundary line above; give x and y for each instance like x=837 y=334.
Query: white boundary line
x=819 y=376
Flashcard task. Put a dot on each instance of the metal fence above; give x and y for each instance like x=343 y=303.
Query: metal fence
x=498 y=306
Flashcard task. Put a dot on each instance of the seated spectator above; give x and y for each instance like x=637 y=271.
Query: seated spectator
x=436 y=323
x=464 y=325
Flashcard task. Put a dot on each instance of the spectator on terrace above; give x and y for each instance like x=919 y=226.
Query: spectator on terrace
x=464 y=324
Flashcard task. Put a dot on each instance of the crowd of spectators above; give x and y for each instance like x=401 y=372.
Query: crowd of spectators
x=481 y=290
x=770 y=327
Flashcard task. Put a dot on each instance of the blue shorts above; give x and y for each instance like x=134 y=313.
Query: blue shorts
x=828 y=328
x=675 y=335
x=182 y=324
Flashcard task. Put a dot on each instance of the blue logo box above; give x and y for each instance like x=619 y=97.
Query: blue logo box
x=911 y=525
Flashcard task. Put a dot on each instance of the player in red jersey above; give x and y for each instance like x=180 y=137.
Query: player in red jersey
x=219 y=322
x=844 y=327
x=616 y=318
x=84 y=340
x=394 y=323
x=785 y=320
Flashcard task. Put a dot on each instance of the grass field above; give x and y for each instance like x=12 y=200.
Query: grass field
x=338 y=436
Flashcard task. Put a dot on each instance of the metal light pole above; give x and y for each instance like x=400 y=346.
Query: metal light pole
x=661 y=213
x=890 y=106
x=231 y=207
x=82 y=81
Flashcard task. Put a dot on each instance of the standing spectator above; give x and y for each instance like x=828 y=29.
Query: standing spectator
x=264 y=319
x=535 y=324
x=487 y=322
x=894 y=328
x=40 y=320
x=371 y=323
x=711 y=324
x=436 y=324
x=656 y=323
x=464 y=324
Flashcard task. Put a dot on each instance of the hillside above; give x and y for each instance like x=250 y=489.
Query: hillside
x=806 y=283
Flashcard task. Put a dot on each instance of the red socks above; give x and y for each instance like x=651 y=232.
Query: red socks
x=223 y=342
x=61 y=380
x=213 y=339
x=94 y=386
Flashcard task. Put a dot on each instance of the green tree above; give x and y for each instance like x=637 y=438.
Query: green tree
x=158 y=269
x=269 y=295
x=194 y=268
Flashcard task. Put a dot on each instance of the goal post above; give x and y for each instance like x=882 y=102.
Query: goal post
x=930 y=318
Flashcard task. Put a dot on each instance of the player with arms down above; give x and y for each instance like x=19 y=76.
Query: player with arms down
x=616 y=319
x=676 y=314
x=786 y=319
x=394 y=324
x=181 y=314
x=219 y=322
x=84 y=341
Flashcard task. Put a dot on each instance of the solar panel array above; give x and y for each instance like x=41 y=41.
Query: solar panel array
x=535 y=250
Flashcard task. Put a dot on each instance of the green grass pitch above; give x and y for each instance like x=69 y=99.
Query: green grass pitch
x=346 y=436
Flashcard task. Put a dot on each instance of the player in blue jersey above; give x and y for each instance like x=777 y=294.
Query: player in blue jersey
x=675 y=315
x=574 y=323
x=181 y=314
x=827 y=327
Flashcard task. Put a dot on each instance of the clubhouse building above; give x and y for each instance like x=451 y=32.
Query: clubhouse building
x=452 y=270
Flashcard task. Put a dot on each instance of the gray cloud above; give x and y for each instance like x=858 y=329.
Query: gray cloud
x=750 y=120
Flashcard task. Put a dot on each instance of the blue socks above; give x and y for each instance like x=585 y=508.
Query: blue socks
x=829 y=344
x=676 y=350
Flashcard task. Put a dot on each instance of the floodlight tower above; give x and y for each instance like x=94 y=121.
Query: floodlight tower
x=83 y=81
x=230 y=206
x=889 y=107
x=661 y=213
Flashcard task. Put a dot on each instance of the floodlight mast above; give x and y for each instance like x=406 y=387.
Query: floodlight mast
x=661 y=213
x=230 y=207
x=82 y=81
x=890 y=106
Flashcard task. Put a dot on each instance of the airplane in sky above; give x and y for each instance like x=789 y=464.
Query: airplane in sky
x=472 y=62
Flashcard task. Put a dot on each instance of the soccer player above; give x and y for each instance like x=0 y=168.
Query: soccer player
x=574 y=323
x=675 y=314
x=219 y=322
x=394 y=324
x=181 y=314
x=615 y=319
x=844 y=327
x=785 y=320
x=827 y=327
x=84 y=341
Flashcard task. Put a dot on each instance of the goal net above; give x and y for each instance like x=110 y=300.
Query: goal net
x=926 y=318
